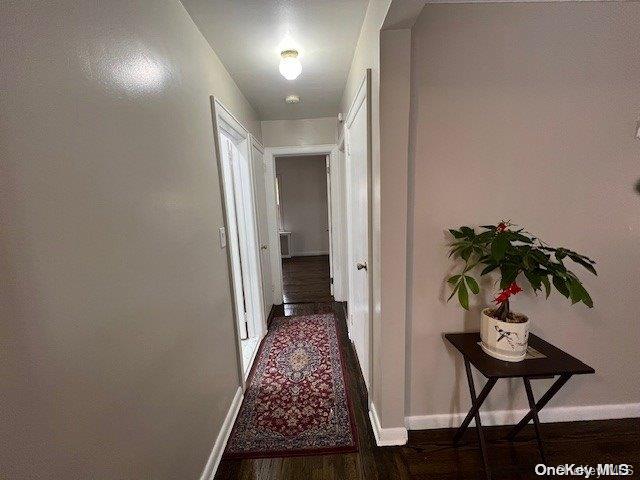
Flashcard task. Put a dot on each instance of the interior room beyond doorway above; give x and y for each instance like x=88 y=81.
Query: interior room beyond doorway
x=303 y=209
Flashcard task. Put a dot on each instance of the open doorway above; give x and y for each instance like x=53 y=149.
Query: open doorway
x=305 y=198
x=303 y=214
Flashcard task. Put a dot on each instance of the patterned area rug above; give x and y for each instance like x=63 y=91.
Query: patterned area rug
x=297 y=401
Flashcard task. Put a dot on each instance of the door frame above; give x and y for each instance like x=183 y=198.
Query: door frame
x=363 y=96
x=336 y=256
x=330 y=215
x=267 y=303
x=224 y=120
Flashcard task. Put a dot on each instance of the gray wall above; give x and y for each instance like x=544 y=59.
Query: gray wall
x=119 y=355
x=308 y=131
x=527 y=112
x=303 y=198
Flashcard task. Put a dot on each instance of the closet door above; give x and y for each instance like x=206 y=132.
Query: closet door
x=260 y=184
x=357 y=158
x=236 y=235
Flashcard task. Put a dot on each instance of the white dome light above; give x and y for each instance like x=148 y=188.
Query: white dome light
x=292 y=99
x=290 y=66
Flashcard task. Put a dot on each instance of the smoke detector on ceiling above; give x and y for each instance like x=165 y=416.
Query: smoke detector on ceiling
x=292 y=99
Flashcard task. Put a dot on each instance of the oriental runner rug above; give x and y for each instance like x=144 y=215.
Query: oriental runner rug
x=297 y=401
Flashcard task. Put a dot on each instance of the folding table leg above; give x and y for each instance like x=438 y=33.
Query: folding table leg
x=540 y=405
x=536 y=420
x=479 y=401
x=476 y=413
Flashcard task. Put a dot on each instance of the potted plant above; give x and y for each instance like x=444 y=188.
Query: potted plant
x=512 y=252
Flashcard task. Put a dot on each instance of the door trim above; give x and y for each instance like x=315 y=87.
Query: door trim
x=255 y=143
x=337 y=257
x=225 y=121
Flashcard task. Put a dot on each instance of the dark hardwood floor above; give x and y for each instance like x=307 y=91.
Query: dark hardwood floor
x=306 y=279
x=429 y=454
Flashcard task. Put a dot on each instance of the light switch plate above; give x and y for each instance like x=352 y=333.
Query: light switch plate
x=223 y=237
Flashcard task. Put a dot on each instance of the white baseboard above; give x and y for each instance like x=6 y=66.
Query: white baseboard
x=246 y=372
x=311 y=253
x=386 y=436
x=221 y=441
x=511 y=417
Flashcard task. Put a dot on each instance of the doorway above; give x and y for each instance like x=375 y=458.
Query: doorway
x=284 y=243
x=236 y=152
x=303 y=213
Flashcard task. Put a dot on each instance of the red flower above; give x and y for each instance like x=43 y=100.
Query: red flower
x=514 y=288
x=501 y=227
x=503 y=297
x=507 y=292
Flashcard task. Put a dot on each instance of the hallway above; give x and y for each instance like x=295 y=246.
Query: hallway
x=224 y=224
x=306 y=279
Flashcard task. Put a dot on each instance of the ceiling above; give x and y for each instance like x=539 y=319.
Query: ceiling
x=248 y=36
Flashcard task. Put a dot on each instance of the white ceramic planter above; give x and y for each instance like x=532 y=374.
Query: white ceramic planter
x=503 y=340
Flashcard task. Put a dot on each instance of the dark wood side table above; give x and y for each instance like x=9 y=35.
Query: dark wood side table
x=550 y=362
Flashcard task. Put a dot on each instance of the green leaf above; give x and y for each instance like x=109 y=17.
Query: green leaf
x=468 y=232
x=520 y=237
x=584 y=263
x=484 y=237
x=509 y=274
x=463 y=296
x=489 y=268
x=457 y=247
x=579 y=294
x=575 y=290
x=454 y=279
x=534 y=280
x=466 y=253
x=456 y=233
x=540 y=256
x=473 y=285
x=586 y=299
x=453 y=292
x=547 y=286
x=499 y=247
x=560 y=285
x=527 y=263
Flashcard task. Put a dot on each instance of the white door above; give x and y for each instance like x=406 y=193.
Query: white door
x=260 y=180
x=329 y=223
x=237 y=234
x=358 y=228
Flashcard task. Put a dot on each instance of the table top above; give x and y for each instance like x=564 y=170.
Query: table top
x=554 y=362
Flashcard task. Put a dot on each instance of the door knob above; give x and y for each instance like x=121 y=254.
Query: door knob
x=361 y=266
x=263 y=247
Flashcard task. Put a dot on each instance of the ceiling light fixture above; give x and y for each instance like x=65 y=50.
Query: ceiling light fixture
x=290 y=66
x=292 y=99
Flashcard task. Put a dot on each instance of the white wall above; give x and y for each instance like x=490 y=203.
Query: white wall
x=527 y=111
x=118 y=344
x=310 y=131
x=303 y=196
